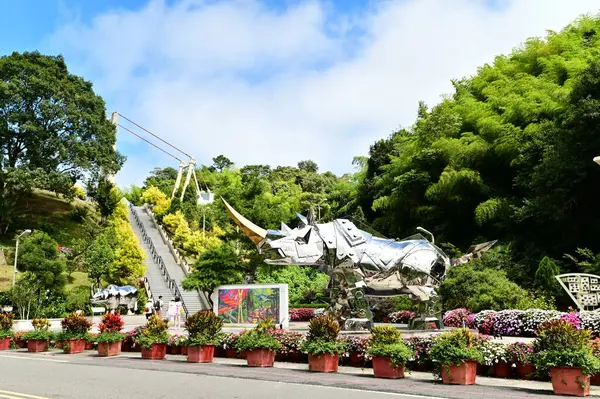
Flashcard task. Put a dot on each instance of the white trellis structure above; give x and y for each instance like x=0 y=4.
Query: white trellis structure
x=584 y=289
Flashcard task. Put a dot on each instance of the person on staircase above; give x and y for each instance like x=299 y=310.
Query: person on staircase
x=178 y=312
x=172 y=311
x=158 y=306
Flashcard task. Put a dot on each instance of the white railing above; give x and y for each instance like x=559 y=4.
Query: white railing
x=158 y=260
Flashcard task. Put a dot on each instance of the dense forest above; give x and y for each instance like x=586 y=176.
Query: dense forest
x=507 y=156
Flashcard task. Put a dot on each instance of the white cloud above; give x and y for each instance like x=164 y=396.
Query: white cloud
x=275 y=87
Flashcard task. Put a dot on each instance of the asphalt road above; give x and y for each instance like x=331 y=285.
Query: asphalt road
x=58 y=376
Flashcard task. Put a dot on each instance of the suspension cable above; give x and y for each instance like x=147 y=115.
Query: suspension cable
x=149 y=132
x=149 y=142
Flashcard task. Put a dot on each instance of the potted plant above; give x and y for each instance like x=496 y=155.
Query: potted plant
x=389 y=352
x=154 y=338
x=38 y=339
x=356 y=351
x=566 y=353
x=421 y=347
x=74 y=333
x=519 y=354
x=110 y=337
x=456 y=354
x=322 y=344
x=6 y=323
x=204 y=328
x=495 y=356
x=259 y=344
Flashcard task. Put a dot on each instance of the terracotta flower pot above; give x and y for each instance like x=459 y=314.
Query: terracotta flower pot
x=483 y=369
x=595 y=379
x=157 y=352
x=502 y=370
x=569 y=381
x=74 y=346
x=184 y=350
x=37 y=345
x=230 y=353
x=109 y=348
x=383 y=368
x=325 y=363
x=355 y=360
x=59 y=344
x=260 y=358
x=219 y=351
x=175 y=350
x=525 y=371
x=89 y=345
x=463 y=374
x=200 y=354
x=5 y=344
x=126 y=346
x=21 y=343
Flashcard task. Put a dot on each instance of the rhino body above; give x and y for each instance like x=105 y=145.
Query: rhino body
x=359 y=263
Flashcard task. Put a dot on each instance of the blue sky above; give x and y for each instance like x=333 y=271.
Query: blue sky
x=273 y=81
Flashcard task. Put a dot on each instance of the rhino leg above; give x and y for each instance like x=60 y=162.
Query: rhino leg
x=348 y=297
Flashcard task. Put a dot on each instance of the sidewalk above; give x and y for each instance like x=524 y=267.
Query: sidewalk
x=416 y=384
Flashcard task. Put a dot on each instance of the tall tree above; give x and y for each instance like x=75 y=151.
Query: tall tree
x=50 y=121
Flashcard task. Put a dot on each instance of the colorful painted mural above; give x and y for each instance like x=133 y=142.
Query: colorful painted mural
x=248 y=305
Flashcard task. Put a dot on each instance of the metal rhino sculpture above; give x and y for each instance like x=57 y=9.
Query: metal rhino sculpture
x=113 y=297
x=360 y=264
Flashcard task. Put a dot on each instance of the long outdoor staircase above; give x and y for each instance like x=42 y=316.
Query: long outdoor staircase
x=163 y=273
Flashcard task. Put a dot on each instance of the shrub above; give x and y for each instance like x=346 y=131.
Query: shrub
x=560 y=344
x=454 y=348
x=154 y=332
x=519 y=352
x=6 y=321
x=79 y=213
x=322 y=336
x=40 y=330
x=204 y=328
x=75 y=325
x=385 y=335
x=386 y=341
x=259 y=337
x=111 y=323
x=323 y=328
x=456 y=317
x=479 y=289
x=301 y=314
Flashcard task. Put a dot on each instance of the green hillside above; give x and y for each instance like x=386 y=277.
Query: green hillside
x=43 y=210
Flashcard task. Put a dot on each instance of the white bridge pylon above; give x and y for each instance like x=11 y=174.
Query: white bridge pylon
x=203 y=197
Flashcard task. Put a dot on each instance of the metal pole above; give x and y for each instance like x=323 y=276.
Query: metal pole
x=15 y=267
x=16 y=255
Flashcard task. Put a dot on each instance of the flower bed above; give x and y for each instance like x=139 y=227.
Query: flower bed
x=402 y=316
x=301 y=314
x=518 y=323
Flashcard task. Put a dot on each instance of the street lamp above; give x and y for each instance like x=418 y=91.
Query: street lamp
x=319 y=208
x=597 y=160
x=16 y=254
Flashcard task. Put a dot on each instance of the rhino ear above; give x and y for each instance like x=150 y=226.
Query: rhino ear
x=302 y=218
x=285 y=229
x=255 y=233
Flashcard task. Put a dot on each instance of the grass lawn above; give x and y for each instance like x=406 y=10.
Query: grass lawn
x=43 y=210
x=6 y=276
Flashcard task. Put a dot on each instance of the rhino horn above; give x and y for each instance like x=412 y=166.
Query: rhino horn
x=253 y=232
